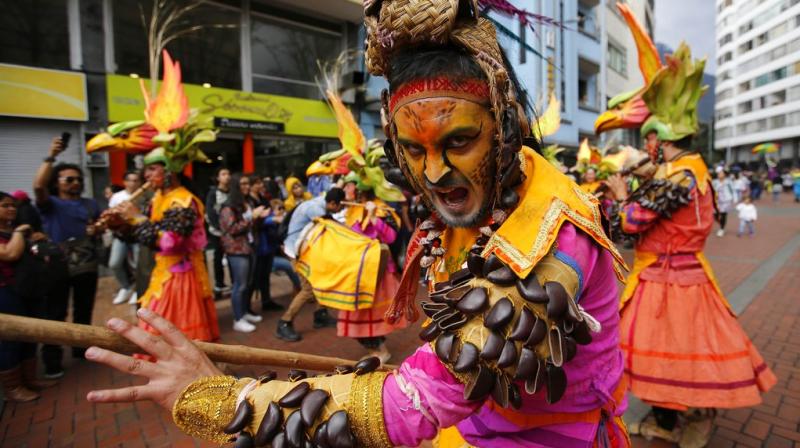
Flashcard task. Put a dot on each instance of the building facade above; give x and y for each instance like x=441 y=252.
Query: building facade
x=758 y=79
x=253 y=66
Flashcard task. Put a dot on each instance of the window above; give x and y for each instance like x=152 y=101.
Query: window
x=209 y=55
x=724 y=132
x=726 y=39
x=744 y=87
x=793 y=93
x=285 y=56
x=34 y=33
x=745 y=107
x=724 y=95
x=725 y=57
x=617 y=59
x=724 y=113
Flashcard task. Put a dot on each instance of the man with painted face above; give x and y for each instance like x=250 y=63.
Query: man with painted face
x=521 y=344
x=683 y=346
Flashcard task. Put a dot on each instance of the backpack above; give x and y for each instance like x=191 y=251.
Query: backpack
x=41 y=267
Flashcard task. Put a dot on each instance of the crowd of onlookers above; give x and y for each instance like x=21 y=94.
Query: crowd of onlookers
x=738 y=190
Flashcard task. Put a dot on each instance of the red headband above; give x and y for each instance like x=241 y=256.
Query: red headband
x=469 y=89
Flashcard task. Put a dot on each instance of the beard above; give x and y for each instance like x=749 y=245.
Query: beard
x=470 y=220
x=456 y=181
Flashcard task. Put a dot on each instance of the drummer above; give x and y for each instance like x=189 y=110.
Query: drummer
x=303 y=215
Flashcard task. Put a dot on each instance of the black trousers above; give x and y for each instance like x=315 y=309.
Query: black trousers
x=83 y=288
x=261 y=274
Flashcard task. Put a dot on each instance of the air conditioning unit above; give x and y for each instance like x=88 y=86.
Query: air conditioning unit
x=550 y=39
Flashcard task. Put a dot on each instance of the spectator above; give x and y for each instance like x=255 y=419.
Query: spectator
x=297 y=193
x=740 y=186
x=284 y=194
x=756 y=185
x=796 y=186
x=788 y=181
x=267 y=245
x=217 y=195
x=747 y=216
x=776 y=188
x=726 y=198
x=68 y=219
x=124 y=254
x=258 y=193
x=236 y=221
x=26 y=212
x=17 y=359
x=301 y=217
x=272 y=189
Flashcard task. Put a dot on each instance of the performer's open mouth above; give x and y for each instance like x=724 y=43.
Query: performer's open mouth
x=453 y=198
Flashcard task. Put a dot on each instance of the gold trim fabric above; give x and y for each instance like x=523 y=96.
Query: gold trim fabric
x=365 y=409
x=206 y=406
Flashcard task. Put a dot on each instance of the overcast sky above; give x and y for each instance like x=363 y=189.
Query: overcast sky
x=689 y=20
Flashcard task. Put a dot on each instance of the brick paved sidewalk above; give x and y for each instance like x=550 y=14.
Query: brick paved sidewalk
x=62 y=417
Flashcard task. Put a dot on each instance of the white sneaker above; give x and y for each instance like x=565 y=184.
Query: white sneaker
x=720 y=232
x=252 y=318
x=122 y=296
x=243 y=326
x=134 y=298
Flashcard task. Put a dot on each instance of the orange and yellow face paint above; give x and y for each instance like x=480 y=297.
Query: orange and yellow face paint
x=448 y=145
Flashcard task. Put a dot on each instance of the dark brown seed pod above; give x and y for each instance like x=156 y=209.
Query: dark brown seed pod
x=499 y=315
x=493 y=346
x=523 y=326
x=581 y=333
x=367 y=365
x=538 y=333
x=297 y=375
x=267 y=376
x=500 y=390
x=308 y=444
x=570 y=349
x=294 y=397
x=431 y=308
x=491 y=264
x=508 y=356
x=280 y=441
x=467 y=359
x=573 y=313
x=270 y=425
x=480 y=385
x=482 y=240
x=443 y=314
x=430 y=332
x=556 y=383
x=514 y=396
x=339 y=435
x=242 y=416
x=527 y=365
x=295 y=430
x=245 y=440
x=473 y=302
x=557 y=305
x=321 y=435
x=453 y=321
x=312 y=405
x=460 y=277
x=509 y=198
x=441 y=286
x=535 y=382
x=530 y=289
x=343 y=369
x=556 y=344
x=502 y=276
x=475 y=264
x=444 y=347
x=455 y=294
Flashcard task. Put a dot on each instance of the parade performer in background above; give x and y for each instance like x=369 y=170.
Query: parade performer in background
x=683 y=346
x=297 y=194
x=521 y=344
x=179 y=287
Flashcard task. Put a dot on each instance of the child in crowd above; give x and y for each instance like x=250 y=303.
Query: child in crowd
x=747 y=216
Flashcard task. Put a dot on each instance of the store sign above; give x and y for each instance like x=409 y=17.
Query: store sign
x=249 y=125
x=42 y=93
x=296 y=116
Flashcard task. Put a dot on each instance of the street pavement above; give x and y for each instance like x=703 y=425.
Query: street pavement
x=761 y=275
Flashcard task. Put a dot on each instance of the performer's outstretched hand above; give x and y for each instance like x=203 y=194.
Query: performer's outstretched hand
x=178 y=362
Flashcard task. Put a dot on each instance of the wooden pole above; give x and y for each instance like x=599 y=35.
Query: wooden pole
x=27 y=329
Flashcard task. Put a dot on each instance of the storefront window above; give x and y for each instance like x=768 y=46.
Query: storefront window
x=289 y=157
x=35 y=33
x=209 y=55
x=285 y=56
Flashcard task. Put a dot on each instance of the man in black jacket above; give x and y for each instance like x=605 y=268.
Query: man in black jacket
x=216 y=196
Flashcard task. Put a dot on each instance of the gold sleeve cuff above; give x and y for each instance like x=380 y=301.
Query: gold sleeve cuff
x=207 y=405
x=365 y=409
